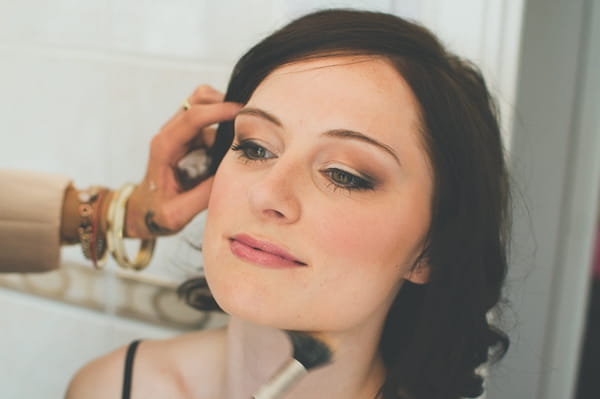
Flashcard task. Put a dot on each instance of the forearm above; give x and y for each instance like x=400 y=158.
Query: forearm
x=30 y=217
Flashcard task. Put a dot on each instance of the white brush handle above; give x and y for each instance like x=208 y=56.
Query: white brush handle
x=281 y=381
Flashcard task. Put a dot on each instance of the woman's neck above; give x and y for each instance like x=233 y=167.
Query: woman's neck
x=255 y=353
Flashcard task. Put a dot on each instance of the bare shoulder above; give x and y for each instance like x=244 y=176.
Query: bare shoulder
x=100 y=378
x=180 y=367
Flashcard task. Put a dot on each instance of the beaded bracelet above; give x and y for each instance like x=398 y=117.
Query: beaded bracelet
x=98 y=245
x=92 y=244
x=115 y=232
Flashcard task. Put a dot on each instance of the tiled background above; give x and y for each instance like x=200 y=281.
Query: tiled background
x=85 y=84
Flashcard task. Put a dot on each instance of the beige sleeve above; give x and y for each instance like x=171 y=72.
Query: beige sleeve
x=30 y=214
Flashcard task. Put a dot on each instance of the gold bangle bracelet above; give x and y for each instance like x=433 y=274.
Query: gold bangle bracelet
x=116 y=227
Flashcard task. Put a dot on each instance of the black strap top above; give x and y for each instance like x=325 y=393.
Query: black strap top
x=128 y=372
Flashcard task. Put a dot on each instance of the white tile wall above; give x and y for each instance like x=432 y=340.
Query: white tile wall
x=83 y=87
x=44 y=344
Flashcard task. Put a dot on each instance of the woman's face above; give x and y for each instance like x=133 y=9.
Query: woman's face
x=320 y=208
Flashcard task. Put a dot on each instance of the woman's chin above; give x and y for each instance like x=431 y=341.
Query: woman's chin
x=254 y=311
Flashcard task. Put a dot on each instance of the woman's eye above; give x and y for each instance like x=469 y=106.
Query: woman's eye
x=343 y=179
x=252 y=151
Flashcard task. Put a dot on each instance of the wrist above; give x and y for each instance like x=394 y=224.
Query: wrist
x=103 y=212
x=135 y=227
x=91 y=235
x=69 y=223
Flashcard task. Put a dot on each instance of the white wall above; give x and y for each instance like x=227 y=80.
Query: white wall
x=85 y=84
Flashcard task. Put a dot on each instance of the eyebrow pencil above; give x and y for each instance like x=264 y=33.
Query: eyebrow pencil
x=309 y=352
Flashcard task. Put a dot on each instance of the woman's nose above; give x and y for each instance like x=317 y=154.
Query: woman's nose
x=274 y=195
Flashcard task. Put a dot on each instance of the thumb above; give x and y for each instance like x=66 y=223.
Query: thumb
x=190 y=203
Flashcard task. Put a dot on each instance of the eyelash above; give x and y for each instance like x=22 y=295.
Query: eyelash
x=245 y=146
x=351 y=183
x=355 y=182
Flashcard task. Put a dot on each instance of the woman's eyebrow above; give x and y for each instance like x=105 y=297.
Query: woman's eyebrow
x=338 y=133
x=261 y=114
x=350 y=134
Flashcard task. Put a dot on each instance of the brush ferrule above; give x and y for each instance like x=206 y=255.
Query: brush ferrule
x=281 y=381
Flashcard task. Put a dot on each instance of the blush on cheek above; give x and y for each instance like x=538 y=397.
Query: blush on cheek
x=348 y=236
x=392 y=236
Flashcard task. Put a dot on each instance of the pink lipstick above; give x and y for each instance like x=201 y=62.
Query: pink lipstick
x=262 y=253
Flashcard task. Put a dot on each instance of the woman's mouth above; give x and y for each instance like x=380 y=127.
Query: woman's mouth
x=262 y=253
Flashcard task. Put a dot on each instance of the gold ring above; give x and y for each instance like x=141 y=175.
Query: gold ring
x=186 y=105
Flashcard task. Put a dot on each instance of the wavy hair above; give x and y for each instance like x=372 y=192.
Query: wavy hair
x=435 y=335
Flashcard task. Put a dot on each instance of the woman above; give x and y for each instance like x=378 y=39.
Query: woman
x=362 y=194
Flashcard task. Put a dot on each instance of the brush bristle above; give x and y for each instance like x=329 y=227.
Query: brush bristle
x=308 y=350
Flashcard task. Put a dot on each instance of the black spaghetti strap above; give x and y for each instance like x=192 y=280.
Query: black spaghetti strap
x=129 y=369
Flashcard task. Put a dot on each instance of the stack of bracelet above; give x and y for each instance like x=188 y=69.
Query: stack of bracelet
x=95 y=246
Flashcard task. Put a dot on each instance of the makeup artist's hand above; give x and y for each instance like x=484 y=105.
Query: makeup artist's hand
x=160 y=205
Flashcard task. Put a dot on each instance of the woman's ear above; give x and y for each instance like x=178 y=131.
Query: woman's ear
x=419 y=274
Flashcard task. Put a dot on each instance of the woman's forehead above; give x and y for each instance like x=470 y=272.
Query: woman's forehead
x=365 y=90
x=333 y=63
x=362 y=94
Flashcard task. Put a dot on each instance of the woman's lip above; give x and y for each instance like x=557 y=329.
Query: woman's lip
x=262 y=252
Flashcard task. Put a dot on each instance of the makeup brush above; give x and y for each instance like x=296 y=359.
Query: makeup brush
x=309 y=352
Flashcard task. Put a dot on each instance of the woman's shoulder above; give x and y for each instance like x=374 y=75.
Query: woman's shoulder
x=161 y=368
x=101 y=377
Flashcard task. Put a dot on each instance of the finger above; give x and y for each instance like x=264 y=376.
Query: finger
x=203 y=94
x=205 y=138
x=206 y=94
x=173 y=119
x=188 y=124
x=174 y=141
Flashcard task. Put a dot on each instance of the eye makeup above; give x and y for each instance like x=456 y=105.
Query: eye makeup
x=345 y=159
x=250 y=150
x=340 y=177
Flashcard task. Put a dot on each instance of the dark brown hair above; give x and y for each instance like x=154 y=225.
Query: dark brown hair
x=435 y=335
